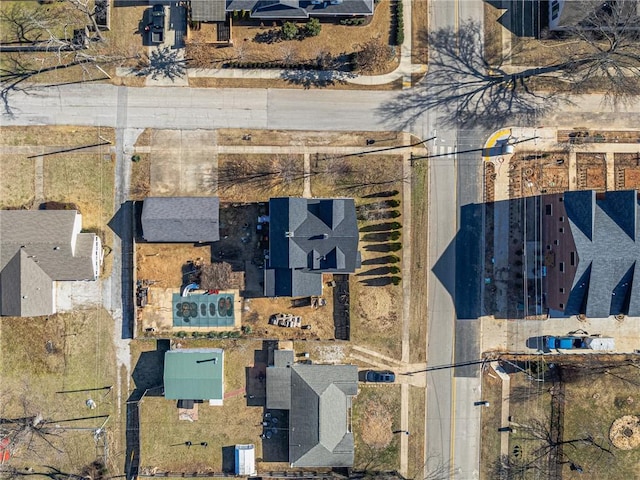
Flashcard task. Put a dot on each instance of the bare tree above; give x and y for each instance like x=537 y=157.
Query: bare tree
x=610 y=35
x=374 y=55
x=67 y=36
x=288 y=54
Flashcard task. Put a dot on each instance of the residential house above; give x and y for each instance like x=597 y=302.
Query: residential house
x=583 y=253
x=181 y=219
x=194 y=374
x=215 y=10
x=38 y=249
x=309 y=237
x=570 y=14
x=318 y=399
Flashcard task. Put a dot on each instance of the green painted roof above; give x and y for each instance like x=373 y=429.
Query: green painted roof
x=192 y=374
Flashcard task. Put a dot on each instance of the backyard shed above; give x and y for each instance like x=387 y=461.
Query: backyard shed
x=181 y=219
x=245 y=460
x=194 y=374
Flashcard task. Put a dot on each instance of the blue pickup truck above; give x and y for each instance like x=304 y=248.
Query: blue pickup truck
x=571 y=342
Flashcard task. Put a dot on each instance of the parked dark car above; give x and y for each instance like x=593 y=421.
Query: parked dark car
x=156 y=27
x=384 y=376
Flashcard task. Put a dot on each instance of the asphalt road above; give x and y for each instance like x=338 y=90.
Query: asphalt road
x=455 y=182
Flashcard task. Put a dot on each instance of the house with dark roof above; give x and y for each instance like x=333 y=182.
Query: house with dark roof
x=318 y=400
x=309 y=237
x=194 y=374
x=181 y=219
x=586 y=252
x=593 y=14
x=215 y=10
x=38 y=249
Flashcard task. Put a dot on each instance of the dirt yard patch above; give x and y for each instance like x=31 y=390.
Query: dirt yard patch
x=259 y=310
x=46 y=359
x=627 y=170
x=592 y=171
x=376 y=415
x=166 y=264
x=534 y=173
x=163 y=434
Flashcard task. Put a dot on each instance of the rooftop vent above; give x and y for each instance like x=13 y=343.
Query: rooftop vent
x=288 y=234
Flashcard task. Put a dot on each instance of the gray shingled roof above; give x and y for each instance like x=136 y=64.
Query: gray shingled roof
x=51 y=238
x=605 y=231
x=208 y=10
x=37 y=247
x=318 y=398
x=25 y=289
x=309 y=236
x=300 y=9
x=180 y=219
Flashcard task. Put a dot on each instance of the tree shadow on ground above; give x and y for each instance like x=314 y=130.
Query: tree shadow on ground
x=316 y=78
x=377 y=281
x=468 y=89
x=384 y=247
x=381 y=260
x=375 y=271
x=381 y=227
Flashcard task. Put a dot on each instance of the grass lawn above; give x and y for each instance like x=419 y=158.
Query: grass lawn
x=416 y=458
x=163 y=434
x=419 y=30
x=45 y=355
x=234 y=136
x=592 y=402
x=492 y=34
x=55 y=136
x=376 y=415
x=208 y=82
x=85 y=179
x=255 y=177
x=16 y=181
x=355 y=176
x=419 y=272
x=140 y=177
x=490 y=423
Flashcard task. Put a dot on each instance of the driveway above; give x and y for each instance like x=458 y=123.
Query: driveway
x=183 y=163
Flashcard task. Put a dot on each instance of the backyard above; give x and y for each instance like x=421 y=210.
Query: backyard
x=564 y=422
x=163 y=434
x=51 y=366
